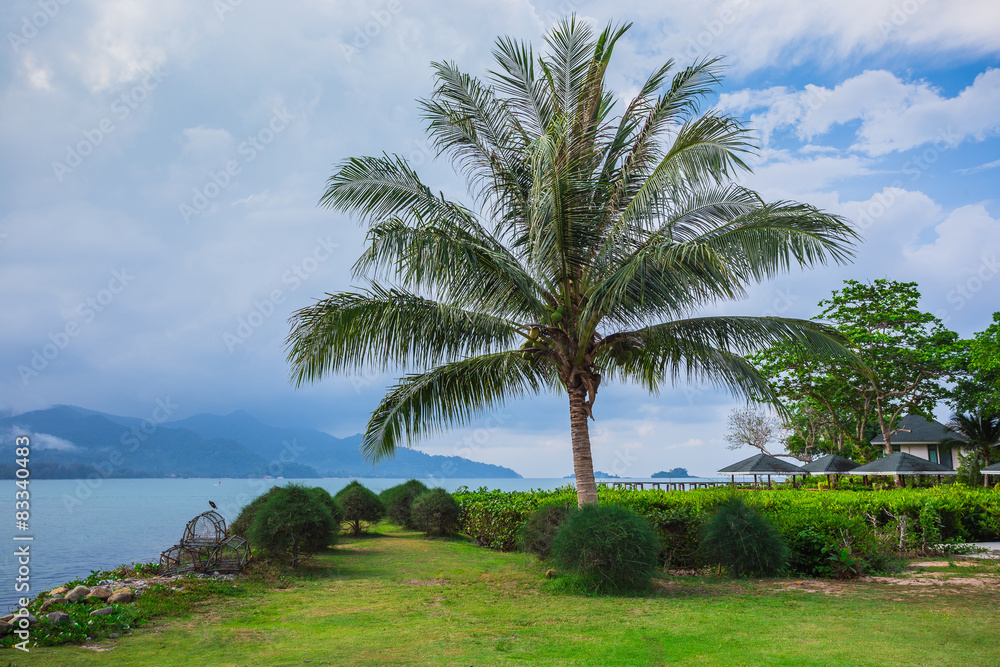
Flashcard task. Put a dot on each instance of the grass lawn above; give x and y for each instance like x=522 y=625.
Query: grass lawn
x=398 y=598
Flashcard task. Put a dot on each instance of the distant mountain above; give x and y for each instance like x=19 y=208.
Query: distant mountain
x=674 y=472
x=70 y=442
x=597 y=475
x=66 y=436
x=334 y=457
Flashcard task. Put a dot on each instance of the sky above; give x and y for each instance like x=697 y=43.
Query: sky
x=161 y=164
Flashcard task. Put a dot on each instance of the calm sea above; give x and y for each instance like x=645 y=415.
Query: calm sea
x=79 y=525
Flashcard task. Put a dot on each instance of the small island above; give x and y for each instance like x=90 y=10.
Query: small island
x=674 y=472
x=597 y=475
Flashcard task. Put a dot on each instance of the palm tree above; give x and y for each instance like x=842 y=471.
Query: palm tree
x=594 y=240
x=982 y=435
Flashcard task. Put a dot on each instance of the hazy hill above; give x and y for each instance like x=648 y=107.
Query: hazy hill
x=335 y=457
x=119 y=447
x=674 y=473
x=74 y=442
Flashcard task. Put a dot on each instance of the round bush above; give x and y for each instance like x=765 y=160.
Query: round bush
x=740 y=539
x=322 y=495
x=360 y=505
x=398 y=501
x=292 y=525
x=436 y=512
x=610 y=548
x=539 y=529
x=241 y=526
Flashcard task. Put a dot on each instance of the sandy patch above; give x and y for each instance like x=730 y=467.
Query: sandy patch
x=426 y=582
x=97 y=647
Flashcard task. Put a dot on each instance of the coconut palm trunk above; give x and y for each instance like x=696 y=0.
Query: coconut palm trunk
x=583 y=464
x=598 y=231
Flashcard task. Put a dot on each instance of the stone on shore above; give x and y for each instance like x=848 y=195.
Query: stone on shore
x=59 y=617
x=77 y=594
x=101 y=592
x=103 y=611
x=51 y=602
x=122 y=595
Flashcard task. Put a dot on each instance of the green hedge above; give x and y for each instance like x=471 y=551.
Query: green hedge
x=814 y=523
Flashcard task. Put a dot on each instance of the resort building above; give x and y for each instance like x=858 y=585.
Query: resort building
x=921 y=437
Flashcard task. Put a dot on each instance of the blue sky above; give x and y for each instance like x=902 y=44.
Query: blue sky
x=161 y=164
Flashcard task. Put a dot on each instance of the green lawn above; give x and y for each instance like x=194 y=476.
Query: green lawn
x=401 y=599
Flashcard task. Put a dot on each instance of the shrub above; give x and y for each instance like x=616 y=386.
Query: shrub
x=878 y=524
x=679 y=529
x=740 y=539
x=241 y=526
x=539 y=529
x=322 y=495
x=292 y=525
x=360 y=505
x=436 y=512
x=398 y=501
x=609 y=548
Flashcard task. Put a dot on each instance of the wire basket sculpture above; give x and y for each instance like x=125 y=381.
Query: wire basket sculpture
x=207 y=529
x=205 y=547
x=177 y=560
x=230 y=556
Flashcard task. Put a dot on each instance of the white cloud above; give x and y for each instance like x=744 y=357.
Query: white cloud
x=759 y=35
x=894 y=115
x=39 y=76
x=41 y=441
x=785 y=175
x=968 y=237
x=979 y=168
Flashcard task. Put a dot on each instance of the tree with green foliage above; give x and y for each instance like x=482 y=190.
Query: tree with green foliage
x=907 y=357
x=821 y=410
x=908 y=354
x=292 y=524
x=597 y=234
x=978 y=389
x=360 y=505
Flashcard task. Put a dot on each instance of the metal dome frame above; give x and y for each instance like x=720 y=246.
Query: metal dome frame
x=206 y=546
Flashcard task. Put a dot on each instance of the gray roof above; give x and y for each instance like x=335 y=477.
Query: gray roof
x=917 y=430
x=901 y=463
x=762 y=464
x=991 y=470
x=829 y=465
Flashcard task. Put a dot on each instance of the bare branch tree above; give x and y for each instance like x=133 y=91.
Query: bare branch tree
x=754 y=427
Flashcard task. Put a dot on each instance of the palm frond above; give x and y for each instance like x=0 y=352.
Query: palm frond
x=376 y=188
x=451 y=394
x=384 y=328
x=464 y=264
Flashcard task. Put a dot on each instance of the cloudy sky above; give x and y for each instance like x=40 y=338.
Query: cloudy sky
x=161 y=164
